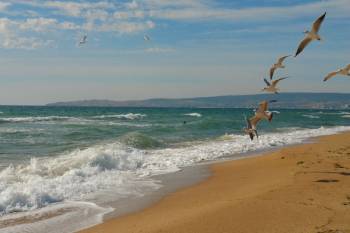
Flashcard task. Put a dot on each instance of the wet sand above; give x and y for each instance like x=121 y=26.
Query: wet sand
x=303 y=188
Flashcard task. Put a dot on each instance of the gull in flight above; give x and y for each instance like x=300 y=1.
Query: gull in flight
x=146 y=38
x=260 y=114
x=311 y=35
x=345 y=71
x=277 y=65
x=83 y=40
x=250 y=130
x=271 y=87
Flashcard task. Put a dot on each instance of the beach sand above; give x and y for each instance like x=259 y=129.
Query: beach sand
x=303 y=188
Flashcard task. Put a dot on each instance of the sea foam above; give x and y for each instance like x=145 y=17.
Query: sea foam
x=311 y=116
x=193 y=114
x=95 y=173
x=128 y=116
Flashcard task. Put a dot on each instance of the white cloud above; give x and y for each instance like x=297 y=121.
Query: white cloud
x=125 y=27
x=199 y=11
x=27 y=34
x=6 y=25
x=69 y=26
x=38 y=24
x=4 y=5
x=96 y=14
x=76 y=9
x=132 y=5
x=174 y=4
x=15 y=42
x=140 y=15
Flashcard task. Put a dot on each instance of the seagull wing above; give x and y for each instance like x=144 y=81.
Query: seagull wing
x=249 y=125
x=330 y=75
x=267 y=82
x=281 y=59
x=317 y=24
x=272 y=71
x=274 y=83
x=263 y=106
x=254 y=121
x=347 y=68
x=302 y=45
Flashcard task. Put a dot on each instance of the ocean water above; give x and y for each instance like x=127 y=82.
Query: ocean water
x=80 y=159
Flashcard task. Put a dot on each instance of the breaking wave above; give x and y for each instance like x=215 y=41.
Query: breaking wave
x=311 y=116
x=37 y=119
x=193 y=114
x=128 y=116
x=121 y=168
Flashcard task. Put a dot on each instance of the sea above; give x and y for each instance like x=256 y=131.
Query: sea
x=60 y=167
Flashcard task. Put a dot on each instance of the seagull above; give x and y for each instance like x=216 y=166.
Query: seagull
x=310 y=36
x=249 y=129
x=260 y=114
x=83 y=40
x=271 y=87
x=345 y=71
x=277 y=65
x=146 y=38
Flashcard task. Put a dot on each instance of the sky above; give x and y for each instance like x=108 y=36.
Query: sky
x=197 y=48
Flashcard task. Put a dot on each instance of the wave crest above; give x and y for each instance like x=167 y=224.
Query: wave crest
x=121 y=169
x=193 y=114
x=128 y=116
x=311 y=116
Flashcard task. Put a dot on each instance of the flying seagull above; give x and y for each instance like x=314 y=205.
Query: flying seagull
x=277 y=65
x=260 y=114
x=311 y=35
x=146 y=38
x=271 y=87
x=249 y=129
x=83 y=40
x=345 y=71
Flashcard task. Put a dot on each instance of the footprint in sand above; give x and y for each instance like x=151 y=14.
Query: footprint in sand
x=347 y=203
x=300 y=162
x=337 y=165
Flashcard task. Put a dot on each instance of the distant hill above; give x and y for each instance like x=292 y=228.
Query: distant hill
x=285 y=100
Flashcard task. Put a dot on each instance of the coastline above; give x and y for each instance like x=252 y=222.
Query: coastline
x=301 y=184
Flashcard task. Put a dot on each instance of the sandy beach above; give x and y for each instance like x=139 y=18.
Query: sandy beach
x=303 y=188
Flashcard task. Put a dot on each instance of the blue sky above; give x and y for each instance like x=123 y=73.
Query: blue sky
x=197 y=48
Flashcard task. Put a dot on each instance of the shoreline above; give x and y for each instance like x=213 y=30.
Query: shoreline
x=178 y=216
x=175 y=181
x=171 y=182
